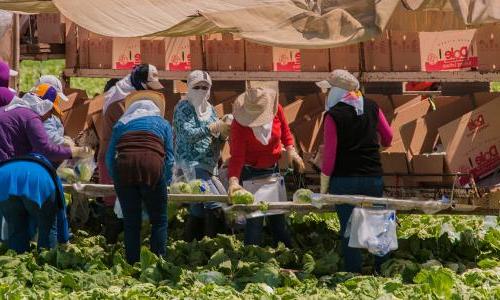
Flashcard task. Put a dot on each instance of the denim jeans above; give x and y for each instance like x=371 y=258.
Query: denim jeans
x=155 y=202
x=277 y=223
x=196 y=209
x=20 y=212
x=367 y=186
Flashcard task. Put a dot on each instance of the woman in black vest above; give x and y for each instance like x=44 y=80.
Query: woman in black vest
x=353 y=131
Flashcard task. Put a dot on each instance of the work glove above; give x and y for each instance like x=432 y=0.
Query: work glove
x=325 y=183
x=295 y=160
x=68 y=141
x=215 y=128
x=81 y=152
x=234 y=186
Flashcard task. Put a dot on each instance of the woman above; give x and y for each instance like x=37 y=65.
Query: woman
x=257 y=133
x=142 y=77
x=140 y=159
x=351 y=159
x=199 y=136
x=22 y=131
x=31 y=193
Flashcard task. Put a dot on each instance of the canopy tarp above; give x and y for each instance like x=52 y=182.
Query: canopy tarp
x=285 y=23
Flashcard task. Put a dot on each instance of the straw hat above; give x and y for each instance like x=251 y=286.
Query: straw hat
x=157 y=98
x=256 y=107
x=341 y=79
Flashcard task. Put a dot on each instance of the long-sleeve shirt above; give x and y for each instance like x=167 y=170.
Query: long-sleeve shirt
x=330 y=140
x=112 y=115
x=155 y=125
x=55 y=130
x=194 y=144
x=247 y=150
x=22 y=132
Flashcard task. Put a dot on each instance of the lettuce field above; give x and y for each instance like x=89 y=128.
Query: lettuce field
x=439 y=257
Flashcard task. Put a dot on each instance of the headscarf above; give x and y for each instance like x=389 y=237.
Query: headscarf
x=40 y=100
x=352 y=98
x=140 y=109
x=198 y=98
x=118 y=92
x=263 y=133
x=6 y=96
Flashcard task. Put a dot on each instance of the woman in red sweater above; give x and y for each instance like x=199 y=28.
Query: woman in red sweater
x=258 y=133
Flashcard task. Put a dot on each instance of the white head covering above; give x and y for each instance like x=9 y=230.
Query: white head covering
x=354 y=99
x=118 y=92
x=53 y=81
x=31 y=101
x=199 y=98
x=140 y=109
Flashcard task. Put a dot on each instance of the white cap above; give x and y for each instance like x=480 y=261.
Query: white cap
x=55 y=82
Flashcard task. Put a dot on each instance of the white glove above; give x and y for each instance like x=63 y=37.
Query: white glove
x=81 y=152
x=325 y=183
x=295 y=160
x=68 y=141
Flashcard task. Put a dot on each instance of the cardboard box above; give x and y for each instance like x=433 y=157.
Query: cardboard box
x=83 y=47
x=303 y=108
x=231 y=53
x=75 y=120
x=378 y=53
x=172 y=54
x=444 y=102
x=484 y=97
x=50 y=28
x=196 y=50
x=473 y=140
x=428 y=164
x=96 y=104
x=75 y=98
x=211 y=45
x=71 y=44
x=258 y=57
x=315 y=60
x=308 y=133
x=126 y=53
x=394 y=163
x=488 y=46
x=346 y=57
x=401 y=102
x=286 y=60
x=448 y=50
x=407 y=115
x=405 y=51
x=100 y=51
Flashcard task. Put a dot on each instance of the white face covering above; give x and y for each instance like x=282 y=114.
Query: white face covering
x=139 y=109
x=263 y=133
x=198 y=98
x=118 y=92
x=33 y=102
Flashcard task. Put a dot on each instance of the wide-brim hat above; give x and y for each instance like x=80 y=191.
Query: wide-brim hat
x=341 y=79
x=157 y=98
x=256 y=107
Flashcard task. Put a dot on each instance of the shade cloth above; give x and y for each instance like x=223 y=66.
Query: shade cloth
x=281 y=23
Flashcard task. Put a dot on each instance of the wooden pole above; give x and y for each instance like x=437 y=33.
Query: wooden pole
x=16 y=49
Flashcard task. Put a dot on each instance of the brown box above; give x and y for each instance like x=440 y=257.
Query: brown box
x=75 y=98
x=384 y=103
x=407 y=115
x=394 y=163
x=401 y=102
x=309 y=133
x=100 y=51
x=75 y=120
x=428 y=164
x=196 y=50
x=346 y=57
x=258 y=57
x=126 y=53
x=405 y=51
x=286 y=60
x=304 y=107
x=153 y=53
x=83 y=47
x=315 y=60
x=488 y=47
x=231 y=53
x=378 y=53
x=50 y=28
x=212 y=51
x=473 y=140
x=71 y=44
x=484 y=97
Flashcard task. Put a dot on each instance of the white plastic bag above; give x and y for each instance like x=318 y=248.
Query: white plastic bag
x=266 y=189
x=76 y=170
x=373 y=229
x=119 y=213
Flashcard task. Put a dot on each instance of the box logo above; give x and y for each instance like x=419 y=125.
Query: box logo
x=452 y=58
x=476 y=123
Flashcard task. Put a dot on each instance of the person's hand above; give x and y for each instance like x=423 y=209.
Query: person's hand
x=68 y=141
x=295 y=160
x=215 y=128
x=234 y=186
x=324 y=183
x=81 y=152
x=225 y=130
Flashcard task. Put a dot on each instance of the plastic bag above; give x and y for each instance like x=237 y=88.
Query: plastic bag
x=77 y=170
x=373 y=229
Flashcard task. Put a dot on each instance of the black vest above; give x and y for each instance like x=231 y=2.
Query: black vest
x=357 y=140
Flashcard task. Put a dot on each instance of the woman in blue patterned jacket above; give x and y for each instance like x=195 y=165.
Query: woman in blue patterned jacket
x=199 y=137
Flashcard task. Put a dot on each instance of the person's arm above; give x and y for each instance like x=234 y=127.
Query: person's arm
x=186 y=127
x=40 y=143
x=111 y=151
x=237 y=149
x=286 y=134
x=169 y=152
x=384 y=129
x=330 y=146
x=53 y=128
